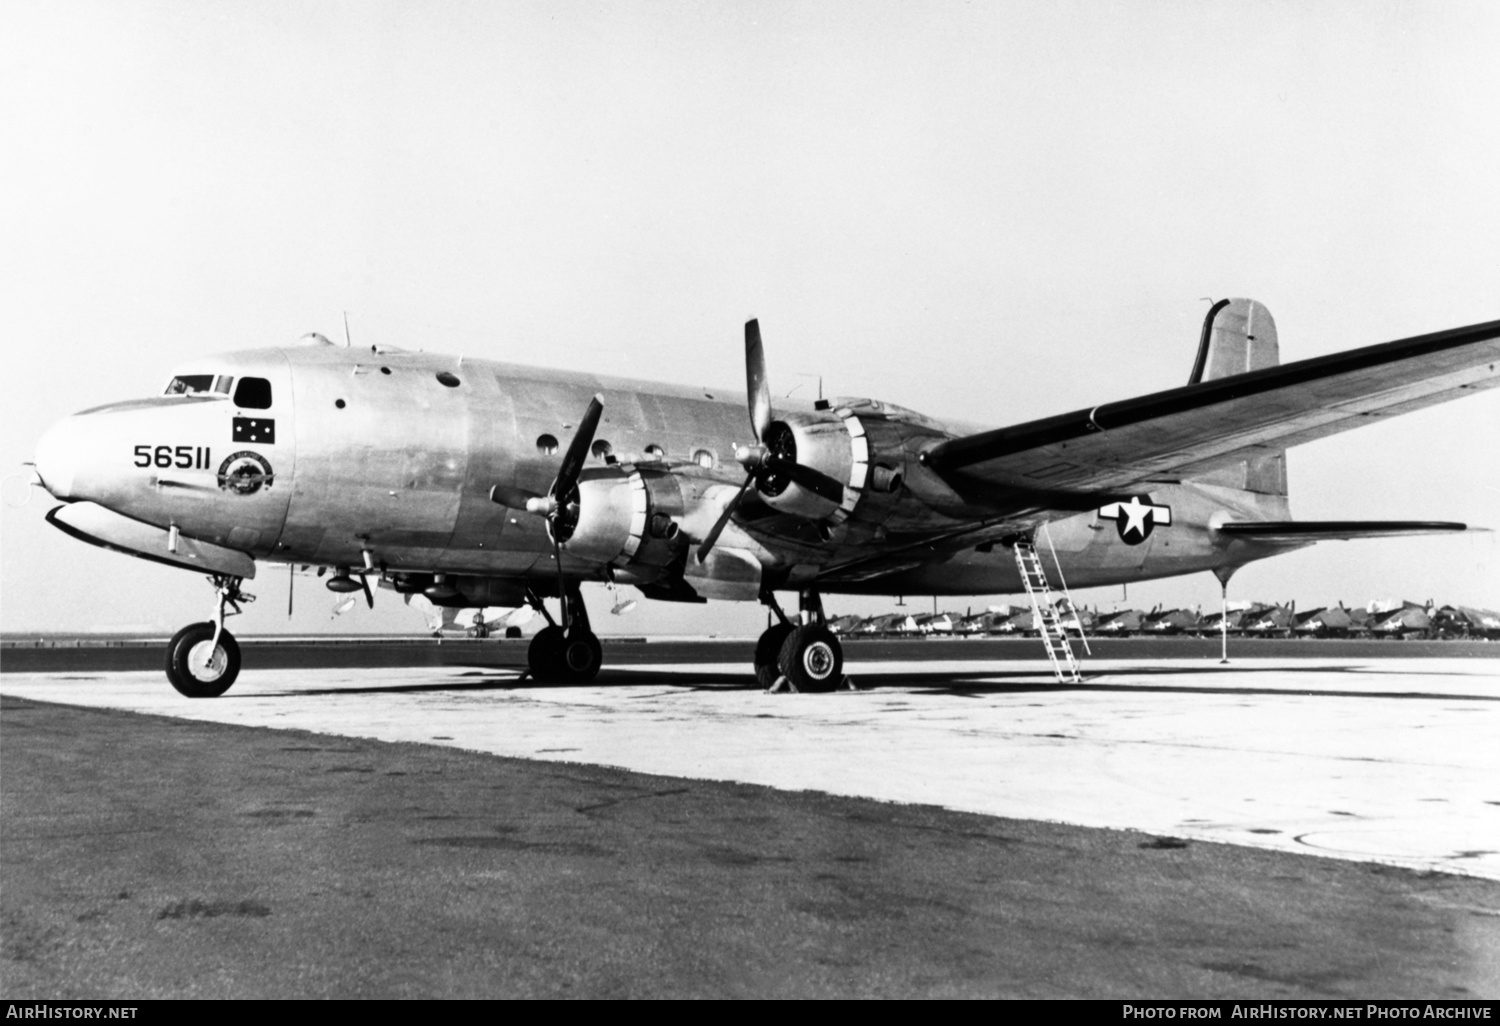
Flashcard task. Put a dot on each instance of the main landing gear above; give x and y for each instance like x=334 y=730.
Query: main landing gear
x=566 y=653
x=801 y=655
x=203 y=659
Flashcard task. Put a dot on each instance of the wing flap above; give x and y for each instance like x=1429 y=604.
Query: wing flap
x=1219 y=422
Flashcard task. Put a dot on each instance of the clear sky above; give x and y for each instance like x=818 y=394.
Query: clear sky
x=991 y=211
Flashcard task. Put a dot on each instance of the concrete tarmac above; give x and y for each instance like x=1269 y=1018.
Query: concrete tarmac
x=1388 y=761
x=149 y=856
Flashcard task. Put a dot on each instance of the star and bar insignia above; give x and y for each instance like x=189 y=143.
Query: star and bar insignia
x=255 y=429
x=1135 y=519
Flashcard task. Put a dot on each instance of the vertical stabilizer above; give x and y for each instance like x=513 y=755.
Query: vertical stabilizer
x=1239 y=335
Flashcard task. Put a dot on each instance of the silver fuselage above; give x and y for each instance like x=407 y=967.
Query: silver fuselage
x=386 y=459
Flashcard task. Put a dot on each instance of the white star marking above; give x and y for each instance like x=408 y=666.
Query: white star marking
x=1139 y=516
x=1136 y=513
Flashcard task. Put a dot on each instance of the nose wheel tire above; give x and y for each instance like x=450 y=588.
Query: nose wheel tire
x=558 y=657
x=197 y=667
x=768 y=653
x=812 y=659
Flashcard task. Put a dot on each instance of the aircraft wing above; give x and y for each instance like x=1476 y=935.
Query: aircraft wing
x=1202 y=427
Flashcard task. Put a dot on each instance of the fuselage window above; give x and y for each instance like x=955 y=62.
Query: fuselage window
x=253 y=394
x=655 y=452
x=546 y=445
x=704 y=459
x=601 y=448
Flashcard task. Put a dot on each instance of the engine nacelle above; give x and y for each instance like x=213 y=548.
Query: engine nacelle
x=833 y=443
x=625 y=517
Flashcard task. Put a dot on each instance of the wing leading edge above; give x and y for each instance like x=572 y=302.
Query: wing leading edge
x=1201 y=427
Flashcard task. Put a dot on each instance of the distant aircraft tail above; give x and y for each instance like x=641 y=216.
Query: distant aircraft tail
x=1239 y=335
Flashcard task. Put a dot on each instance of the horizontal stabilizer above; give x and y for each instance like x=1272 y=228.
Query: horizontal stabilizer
x=1294 y=531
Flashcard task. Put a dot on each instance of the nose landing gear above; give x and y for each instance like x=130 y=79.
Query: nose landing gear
x=203 y=659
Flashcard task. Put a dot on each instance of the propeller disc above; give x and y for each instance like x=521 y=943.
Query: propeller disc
x=771 y=463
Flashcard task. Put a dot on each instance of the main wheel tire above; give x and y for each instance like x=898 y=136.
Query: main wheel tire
x=197 y=667
x=543 y=655
x=812 y=659
x=580 y=657
x=768 y=653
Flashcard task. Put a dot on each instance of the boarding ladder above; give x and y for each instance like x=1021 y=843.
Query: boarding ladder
x=1064 y=664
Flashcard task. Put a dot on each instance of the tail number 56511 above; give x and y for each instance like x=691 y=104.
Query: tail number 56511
x=183 y=457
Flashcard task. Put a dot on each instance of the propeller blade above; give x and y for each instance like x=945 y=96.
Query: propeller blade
x=291 y=582
x=756 y=385
x=813 y=480
x=369 y=598
x=718 y=528
x=578 y=450
x=515 y=498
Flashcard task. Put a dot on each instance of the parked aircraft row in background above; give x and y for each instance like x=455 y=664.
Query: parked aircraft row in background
x=1253 y=619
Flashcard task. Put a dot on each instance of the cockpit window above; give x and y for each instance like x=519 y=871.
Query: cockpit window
x=199 y=384
x=253 y=394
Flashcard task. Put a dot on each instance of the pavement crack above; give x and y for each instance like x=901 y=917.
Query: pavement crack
x=633 y=798
x=198 y=909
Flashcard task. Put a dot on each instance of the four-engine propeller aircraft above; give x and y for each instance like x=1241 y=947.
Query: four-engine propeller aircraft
x=476 y=483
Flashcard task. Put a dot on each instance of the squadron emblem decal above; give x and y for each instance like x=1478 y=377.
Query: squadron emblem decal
x=1134 y=520
x=244 y=473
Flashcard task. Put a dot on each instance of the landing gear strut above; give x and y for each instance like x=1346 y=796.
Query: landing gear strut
x=807 y=655
x=203 y=659
x=566 y=653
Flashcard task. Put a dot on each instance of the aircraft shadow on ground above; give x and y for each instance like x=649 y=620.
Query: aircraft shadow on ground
x=509 y=679
x=979 y=689
x=973 y=684
x=978 y=683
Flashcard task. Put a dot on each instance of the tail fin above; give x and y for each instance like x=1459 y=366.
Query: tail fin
x=1239 y=335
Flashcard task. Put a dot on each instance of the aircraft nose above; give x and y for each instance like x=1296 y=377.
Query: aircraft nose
x=58 y=454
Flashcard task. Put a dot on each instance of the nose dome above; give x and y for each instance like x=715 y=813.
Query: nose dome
x=58 y=454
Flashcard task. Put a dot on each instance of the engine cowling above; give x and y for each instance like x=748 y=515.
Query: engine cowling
x=624 y=518
x=833 y=443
